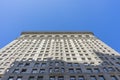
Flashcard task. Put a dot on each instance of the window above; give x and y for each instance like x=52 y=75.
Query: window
x=36 y=64
x=71 y=70
x=96 y=70
x=56 y=69
x=10 y=78
x=52 y=78
x=56 y=63
x=70 y=64
x=74 y=58
x=72 y=78
x=50 y=70
x=81 y=78
x=34 y=71
x=20 y=64
x=62 y=63
x=110 y=69
x=76 y=64
x=105 y=70
x=42 y=70
x=101 y=77
x=43 y=65
x=24 y=71
x=93 y=78
x=89 y=70
x=60 y=78
x=27 y=64
x=113 y=78
x=31 y=78
x=16 y=71
x=51 y=63
x=62 y=70
x=68 y=58
x=19 y=78
x=78 y=70
x=40 y=78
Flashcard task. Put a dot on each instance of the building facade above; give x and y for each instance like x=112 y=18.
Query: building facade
x=59 y=56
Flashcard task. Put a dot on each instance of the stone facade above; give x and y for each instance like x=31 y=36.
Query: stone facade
x=59 y=56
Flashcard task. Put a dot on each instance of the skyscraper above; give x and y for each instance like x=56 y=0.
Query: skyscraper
x=59 y=56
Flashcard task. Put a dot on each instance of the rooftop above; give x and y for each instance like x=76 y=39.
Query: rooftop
x=47 y=32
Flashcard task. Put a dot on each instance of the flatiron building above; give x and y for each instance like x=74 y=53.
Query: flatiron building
x=58 y=56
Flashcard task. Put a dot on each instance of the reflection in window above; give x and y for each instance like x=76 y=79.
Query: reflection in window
x=72 y=78
x=52 y=78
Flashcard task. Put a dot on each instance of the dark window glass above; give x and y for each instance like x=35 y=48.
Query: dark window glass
x=114 y=78
x=60 y=78
x=40 y=78
x=72 y=78
x=24 y=71
x=101 y=78
x=31 y=78
x=10 y=78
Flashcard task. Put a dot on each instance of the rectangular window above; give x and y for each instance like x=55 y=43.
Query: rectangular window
x=101 y=77
x=105 y=69
x=52 y=78
x=89 y=70
x=31 y=78
x=60 y=78
x=20 y=64
x=34 y=71
x=93 y=78
x=16 y=71
x=42 y=70
x=62 y=70
x=19 y=78
x=40 y=78
x=27 y=64
x=69 y=64
x=10 y=78
x=78 y=70
x=43 y=64
x=50 y=70
x=81 y=78
x=56 y=69
x=71 y=70
x=24 y=71
x=72 y=78
x=76 y=64
x=113 y=78
x=96 y=70
x=36 y=64
x=111 y=69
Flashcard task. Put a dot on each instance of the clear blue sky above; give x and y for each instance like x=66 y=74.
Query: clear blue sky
x=99 y=16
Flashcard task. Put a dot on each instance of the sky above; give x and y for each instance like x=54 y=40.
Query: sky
x=99 y=16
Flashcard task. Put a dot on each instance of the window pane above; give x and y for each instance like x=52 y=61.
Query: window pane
x=52 y=78
x=113 y=78
x=10 y=78
x=81 y=78
x=31 y=78
x=72 y=78
x=40 y=78
x=19 y=78
x=101 y=78
x=60 y=78
x=93 y=78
